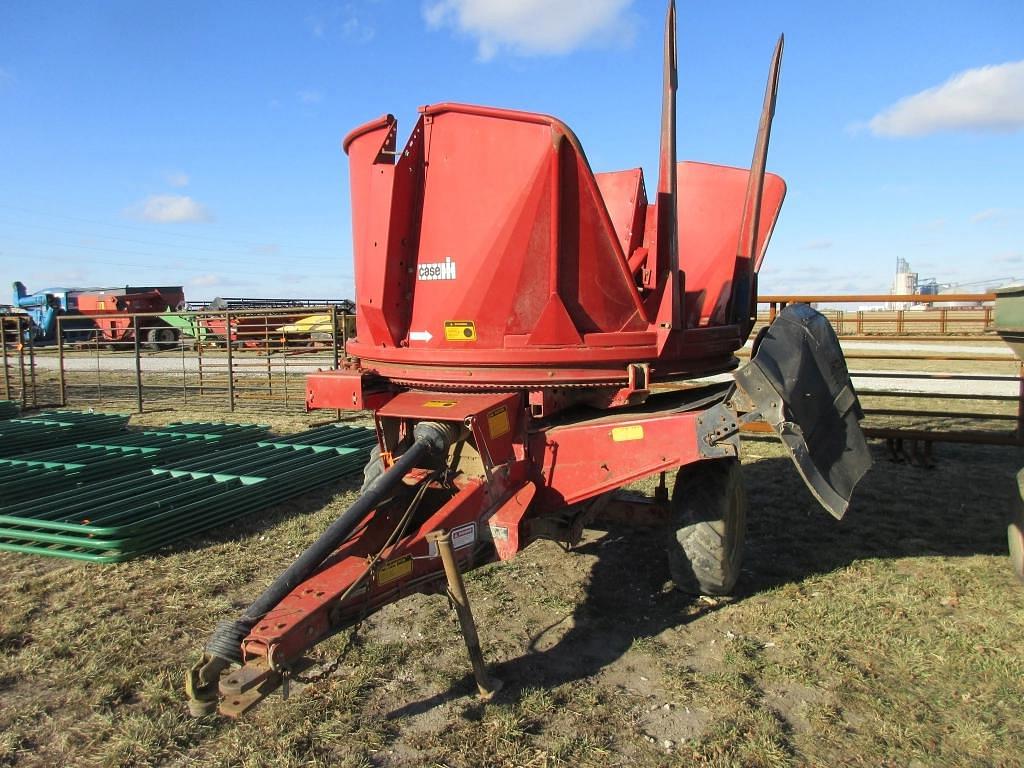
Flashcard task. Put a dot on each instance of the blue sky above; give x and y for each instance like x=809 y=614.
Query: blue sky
x=199 y=143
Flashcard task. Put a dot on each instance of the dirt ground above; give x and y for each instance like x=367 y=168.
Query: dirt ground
x=890 y=638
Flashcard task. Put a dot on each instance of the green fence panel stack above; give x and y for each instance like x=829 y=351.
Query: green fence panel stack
x=9 y=409
x=194 y=436
x=41 y=473
x=329 y=435
x=145 y=510
x=47 y=430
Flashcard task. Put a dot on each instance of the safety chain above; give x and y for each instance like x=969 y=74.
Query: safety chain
x=350 y=642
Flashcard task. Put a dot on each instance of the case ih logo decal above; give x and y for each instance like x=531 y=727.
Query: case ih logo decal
x=438 y=270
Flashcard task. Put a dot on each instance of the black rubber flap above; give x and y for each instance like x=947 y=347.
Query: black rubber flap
x=799 y=382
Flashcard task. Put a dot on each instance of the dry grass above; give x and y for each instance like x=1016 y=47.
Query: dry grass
x=889 y=638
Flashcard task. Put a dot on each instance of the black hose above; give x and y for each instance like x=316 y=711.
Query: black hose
x=431 y=438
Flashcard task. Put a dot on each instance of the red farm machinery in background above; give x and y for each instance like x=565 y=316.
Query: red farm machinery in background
x=100 y=314
x=112 y=309
x=531 y=337
x=252 y=328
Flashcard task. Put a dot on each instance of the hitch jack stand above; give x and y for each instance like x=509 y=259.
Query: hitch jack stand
x=487 y=685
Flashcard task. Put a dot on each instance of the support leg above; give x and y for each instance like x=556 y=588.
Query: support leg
x=487 y=685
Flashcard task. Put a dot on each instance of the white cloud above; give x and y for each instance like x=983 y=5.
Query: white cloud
x=989 y=214
x=310 y=96
x=170 y=209
x=1011 y=257
x=317 y=27
x=530 y=27
x=348 y=21
x=178 y=179
x=205 y=281
x=982 y=99
x=819 y=278
x=358 y=30
x=818 y=245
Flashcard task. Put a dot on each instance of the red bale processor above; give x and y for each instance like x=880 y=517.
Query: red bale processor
x=111 y=310
x=530 y=337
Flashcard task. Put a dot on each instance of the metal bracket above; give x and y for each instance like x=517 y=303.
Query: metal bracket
x=718 y=432
x=246 y=687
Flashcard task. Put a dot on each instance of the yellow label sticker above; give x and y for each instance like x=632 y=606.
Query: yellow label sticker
x=625 y=434
x=459 y=330
x=498 y=423
x=440 y=404
x=394 y=569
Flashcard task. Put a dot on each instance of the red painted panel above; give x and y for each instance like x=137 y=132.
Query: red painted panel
x=344 y=389
x=710 y=206
x=582 y=460
x=508 y=230
x=489 y=244
x=626 y=200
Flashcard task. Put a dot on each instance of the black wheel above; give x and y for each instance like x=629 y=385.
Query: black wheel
x=374 y=468
x=161 y=337
x=709 y=524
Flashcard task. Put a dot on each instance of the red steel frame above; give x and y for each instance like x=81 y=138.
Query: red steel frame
x=536 y=483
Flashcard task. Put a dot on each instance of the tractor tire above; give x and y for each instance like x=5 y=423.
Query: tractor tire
x=161 y=337
x=374 y=468
x=1015 y=530
x=709 y=525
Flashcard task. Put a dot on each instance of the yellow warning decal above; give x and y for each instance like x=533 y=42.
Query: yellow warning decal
x=459 y=330
x=440 y=404
x=498 y=423
x=394 y=569
x=625 y=434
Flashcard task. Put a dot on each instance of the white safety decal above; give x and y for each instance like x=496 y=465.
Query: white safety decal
x=463 y=536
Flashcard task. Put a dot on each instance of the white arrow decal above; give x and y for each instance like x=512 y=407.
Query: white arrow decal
x=420 y=336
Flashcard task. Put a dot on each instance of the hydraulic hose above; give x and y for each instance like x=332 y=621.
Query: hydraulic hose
x=431 y=439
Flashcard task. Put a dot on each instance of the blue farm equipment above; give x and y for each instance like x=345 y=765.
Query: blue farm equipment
x=43 y=308
x=104 y=312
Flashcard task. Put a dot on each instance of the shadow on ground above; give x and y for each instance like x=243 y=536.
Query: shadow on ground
x=956 y=509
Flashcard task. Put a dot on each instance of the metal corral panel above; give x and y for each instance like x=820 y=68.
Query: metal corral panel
x=148 y=509
x=327 y=435
x=46 y=430
x=42 y=473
